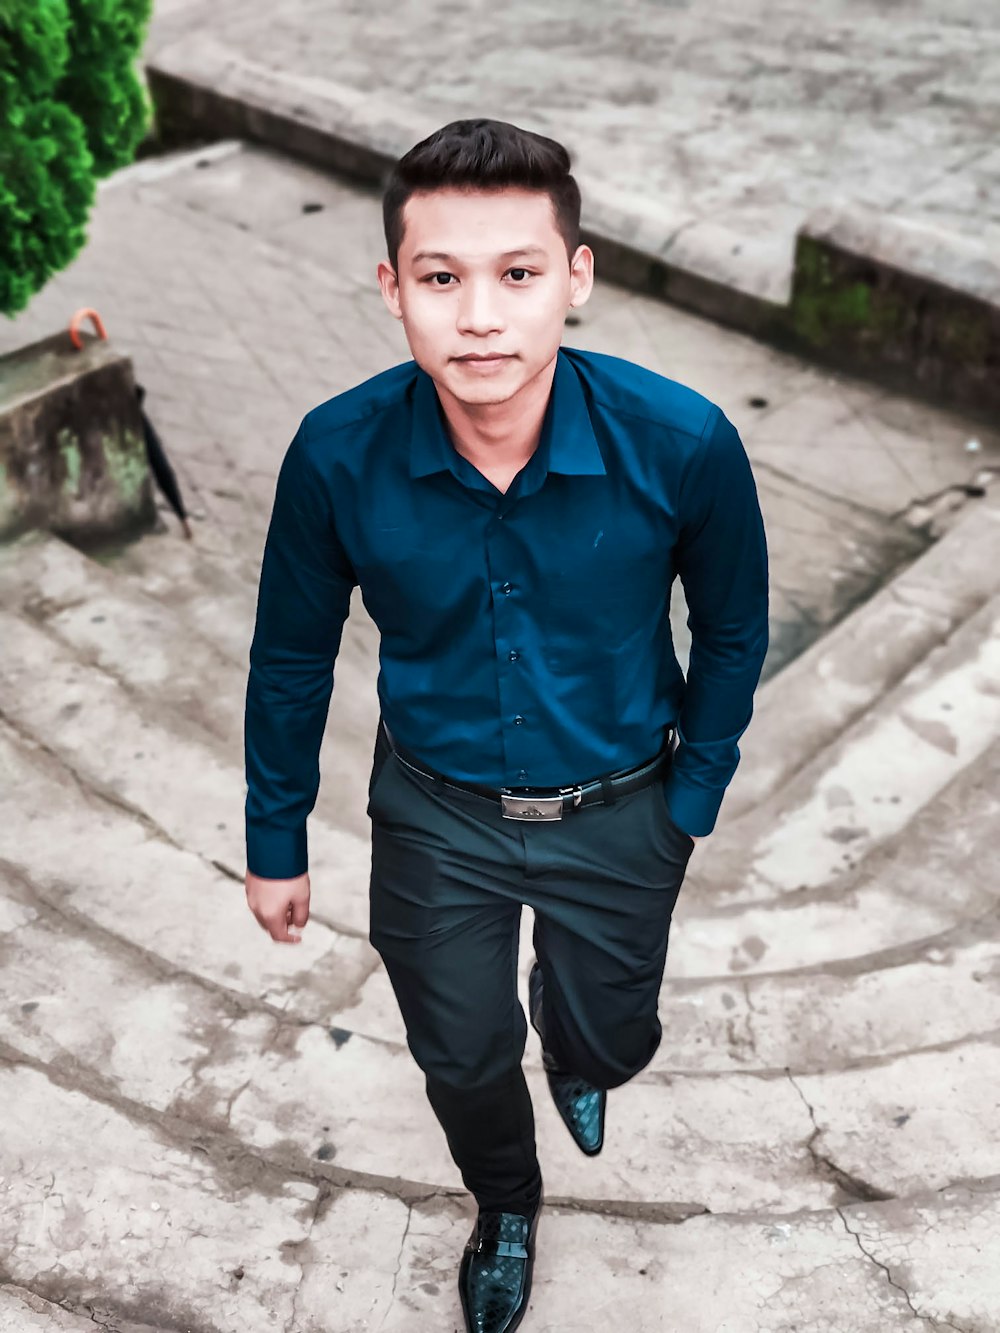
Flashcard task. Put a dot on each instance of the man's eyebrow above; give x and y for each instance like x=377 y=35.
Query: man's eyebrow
x=451 y=259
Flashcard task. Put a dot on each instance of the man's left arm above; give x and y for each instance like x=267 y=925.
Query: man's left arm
x=721 y=558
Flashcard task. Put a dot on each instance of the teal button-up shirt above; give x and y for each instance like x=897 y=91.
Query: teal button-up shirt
x=525 y=636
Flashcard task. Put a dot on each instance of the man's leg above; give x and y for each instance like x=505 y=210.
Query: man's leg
x=445 y=917
x=603 y=883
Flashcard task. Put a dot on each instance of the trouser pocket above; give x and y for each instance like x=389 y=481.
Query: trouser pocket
x=381 y=759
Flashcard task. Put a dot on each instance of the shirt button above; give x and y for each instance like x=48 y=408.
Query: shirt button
x=518 y=720
x=522 y=774
x=505 y=587
x=514 y=654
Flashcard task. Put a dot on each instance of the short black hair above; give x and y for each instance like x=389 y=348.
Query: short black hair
x=483 y=155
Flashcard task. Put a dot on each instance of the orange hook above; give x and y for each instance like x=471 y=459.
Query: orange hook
x=85 y=312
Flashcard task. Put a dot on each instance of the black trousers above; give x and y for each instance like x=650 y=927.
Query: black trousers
x=448 y=881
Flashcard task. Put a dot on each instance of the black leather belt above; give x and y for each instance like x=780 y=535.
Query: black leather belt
x=548 y=802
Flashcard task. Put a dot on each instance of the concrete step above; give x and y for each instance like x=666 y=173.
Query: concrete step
x=98 y=728
x=186 y=783
x=248 y=1041
x=115 y=867
x=243 y=1025
x=233 y=1049
x=929 y=879
x=177 y=630
x=866 y=788
x=804 y=934
x=169 y=1229
x=205 y=579
x=798 y=713
x=843 y=1014
x=808 y=704
x=229 y=1062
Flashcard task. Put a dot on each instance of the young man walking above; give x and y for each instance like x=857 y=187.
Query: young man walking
x=515 y=513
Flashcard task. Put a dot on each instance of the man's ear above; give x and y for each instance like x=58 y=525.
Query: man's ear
x=389 y=286
x=581 y=276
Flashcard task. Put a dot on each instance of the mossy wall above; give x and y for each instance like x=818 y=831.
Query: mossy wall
x=864 y=315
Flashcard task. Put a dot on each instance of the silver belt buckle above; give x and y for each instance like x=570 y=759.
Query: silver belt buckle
x=530 y=807
x=536 y=807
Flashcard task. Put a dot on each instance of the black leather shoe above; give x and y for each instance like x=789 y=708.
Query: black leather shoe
x=581 y=1105
x=494 y=1277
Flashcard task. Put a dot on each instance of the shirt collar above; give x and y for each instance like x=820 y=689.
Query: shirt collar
x=567 y=437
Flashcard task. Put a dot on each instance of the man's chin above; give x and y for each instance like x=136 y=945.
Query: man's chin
x=496 y=388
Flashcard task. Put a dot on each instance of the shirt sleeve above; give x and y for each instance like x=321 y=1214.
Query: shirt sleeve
x=721 y=558
x=303 y=601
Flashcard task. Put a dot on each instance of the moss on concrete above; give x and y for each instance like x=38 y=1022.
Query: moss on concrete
x=68 y=445
x=128 y=467
x=72 y=447
x=860 y=313
x=827 y=304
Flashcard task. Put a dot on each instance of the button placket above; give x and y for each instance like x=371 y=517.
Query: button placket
x=507 y=579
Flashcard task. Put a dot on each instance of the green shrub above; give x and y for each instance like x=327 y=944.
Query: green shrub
x=72 y=110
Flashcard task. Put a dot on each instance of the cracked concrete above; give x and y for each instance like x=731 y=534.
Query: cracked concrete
x=854 y=1189
x=898 y=1286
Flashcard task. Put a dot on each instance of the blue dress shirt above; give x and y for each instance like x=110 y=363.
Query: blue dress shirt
x=525 y=636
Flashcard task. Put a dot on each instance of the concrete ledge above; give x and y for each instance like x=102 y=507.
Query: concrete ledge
x=72 y=449
x=920 y=307
x=202 y=92
x=900 y=302
x=328 y=133
x=820 y=694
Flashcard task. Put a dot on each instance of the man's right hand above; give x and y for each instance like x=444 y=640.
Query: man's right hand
x=278 y=904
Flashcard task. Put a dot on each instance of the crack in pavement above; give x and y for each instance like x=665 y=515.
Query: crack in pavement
x=105 y=1318
x=399 y=1264
x=856 y=1189
x=249 y=1168
x=928 y=1319
x=324 y=1192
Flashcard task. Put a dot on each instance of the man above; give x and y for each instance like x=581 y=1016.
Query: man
x=515 y=513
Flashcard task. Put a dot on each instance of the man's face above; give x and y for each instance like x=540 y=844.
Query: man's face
x=483 y=272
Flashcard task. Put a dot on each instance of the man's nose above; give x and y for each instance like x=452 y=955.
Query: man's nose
x=478 y=309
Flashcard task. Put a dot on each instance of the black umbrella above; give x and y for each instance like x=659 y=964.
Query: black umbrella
x=160 y=467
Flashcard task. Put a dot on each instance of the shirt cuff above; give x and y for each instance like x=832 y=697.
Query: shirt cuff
x=693 y=809
x=276 y=853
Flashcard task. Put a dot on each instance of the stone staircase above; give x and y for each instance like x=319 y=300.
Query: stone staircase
x=226 y=1134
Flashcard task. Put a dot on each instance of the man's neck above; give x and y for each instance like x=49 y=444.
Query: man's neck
x=500 y=434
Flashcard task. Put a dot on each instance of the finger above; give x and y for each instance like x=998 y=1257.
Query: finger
x=299 y=914
x=279 y=931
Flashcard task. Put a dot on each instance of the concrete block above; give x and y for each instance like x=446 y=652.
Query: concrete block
x=72 y=450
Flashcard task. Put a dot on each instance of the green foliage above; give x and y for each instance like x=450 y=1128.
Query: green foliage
x=100 y=83
x=72 y=110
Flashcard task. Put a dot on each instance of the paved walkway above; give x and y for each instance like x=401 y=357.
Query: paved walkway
x=719 y=125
